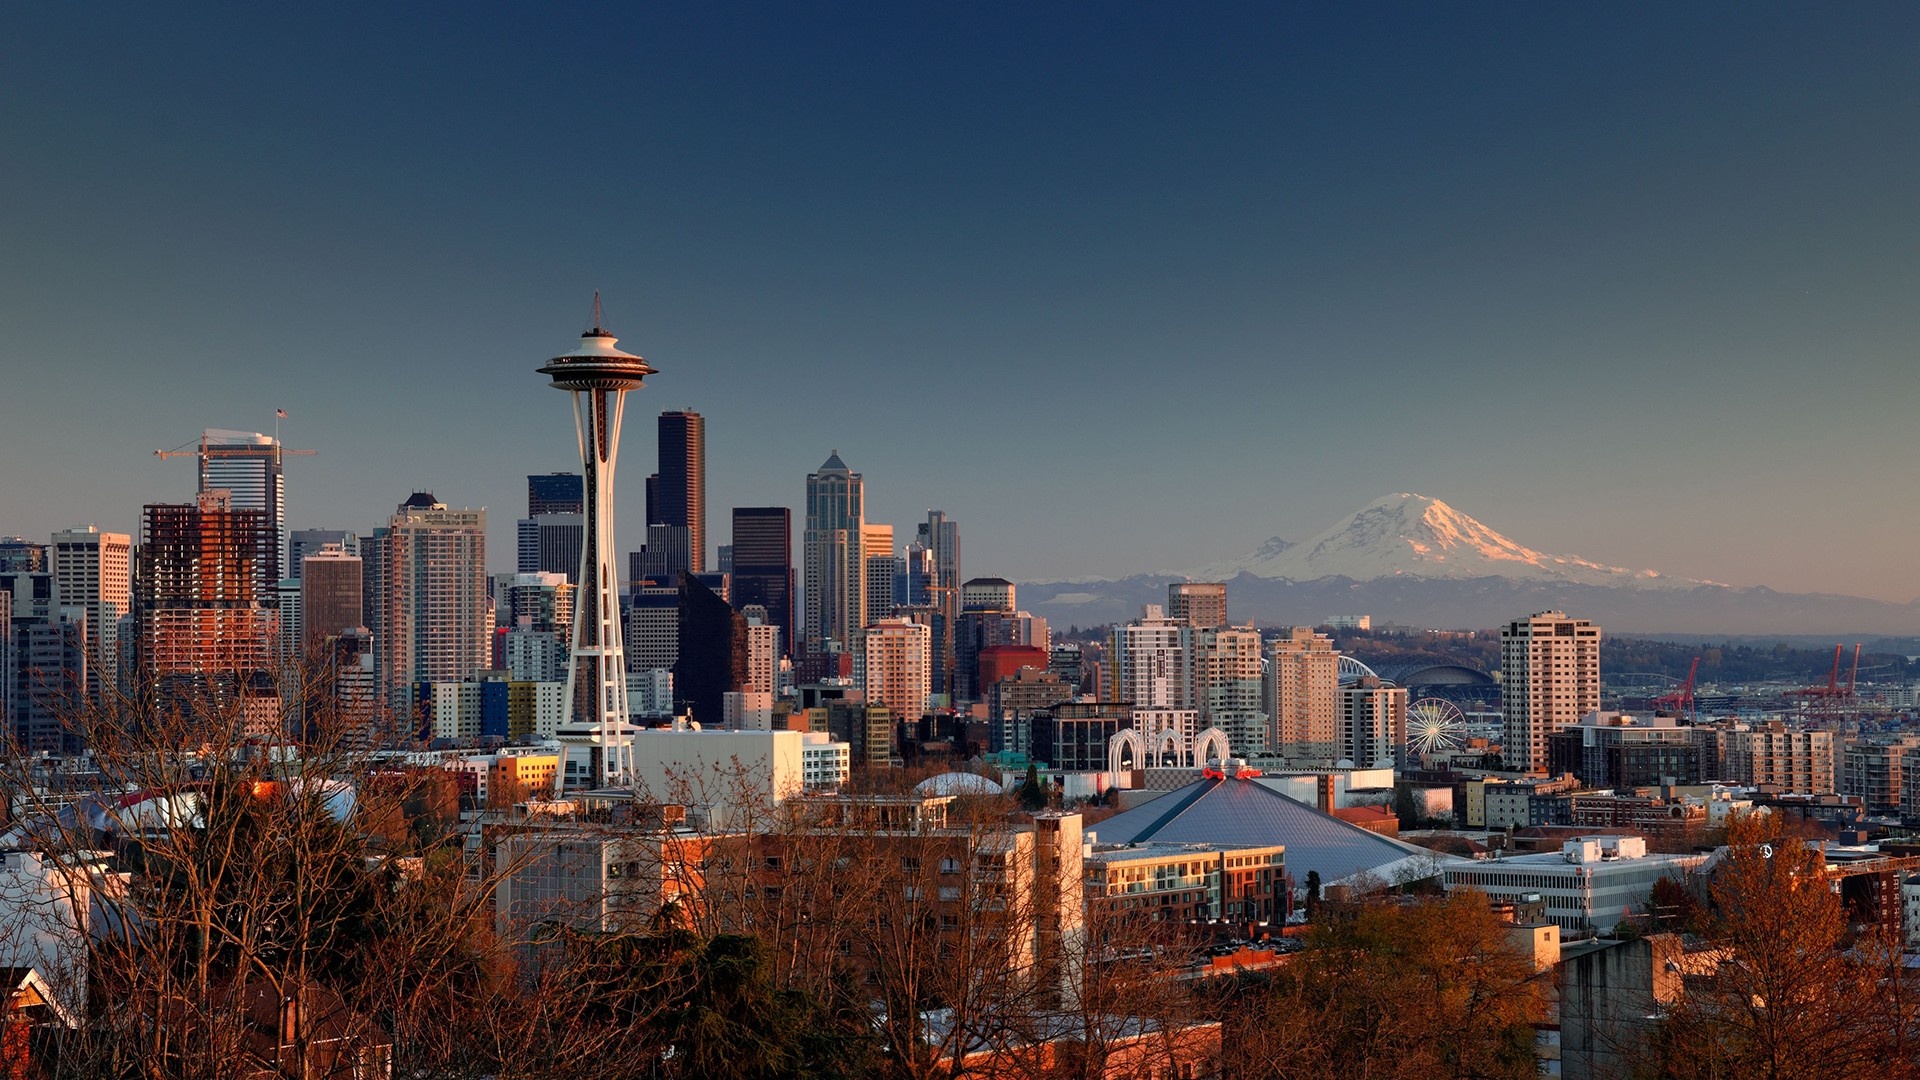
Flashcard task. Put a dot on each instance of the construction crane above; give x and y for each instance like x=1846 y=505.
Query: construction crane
x=1681 y=700
x=199 y=450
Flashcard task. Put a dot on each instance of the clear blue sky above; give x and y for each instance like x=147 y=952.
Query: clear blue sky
x=1120 y=287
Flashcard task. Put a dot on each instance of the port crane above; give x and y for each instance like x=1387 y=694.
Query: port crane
x=1831 y=698
x=1681 y=700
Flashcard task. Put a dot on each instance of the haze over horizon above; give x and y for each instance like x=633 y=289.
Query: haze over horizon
x=1121 y=290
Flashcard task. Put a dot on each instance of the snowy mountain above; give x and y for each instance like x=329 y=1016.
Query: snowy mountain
x=1414 y=560
x=1408 y=535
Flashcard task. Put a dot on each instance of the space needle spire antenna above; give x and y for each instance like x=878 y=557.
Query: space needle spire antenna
x=598 y=375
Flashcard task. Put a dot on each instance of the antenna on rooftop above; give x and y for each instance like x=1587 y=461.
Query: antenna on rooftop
x=599 y=322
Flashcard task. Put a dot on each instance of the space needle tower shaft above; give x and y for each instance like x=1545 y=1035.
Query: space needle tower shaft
x=598 y=375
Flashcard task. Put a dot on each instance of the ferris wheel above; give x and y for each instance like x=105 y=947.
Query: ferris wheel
x=1434 y=725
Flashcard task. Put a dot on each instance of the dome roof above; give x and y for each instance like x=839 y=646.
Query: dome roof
x=958 y=783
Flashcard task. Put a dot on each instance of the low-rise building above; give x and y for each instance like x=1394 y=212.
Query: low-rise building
x=1614 y=750
x=1873 y=769
x=1183 y=882
x=1523 y=803
x=1800 y=762
x=825 y=764
x=1588 y=885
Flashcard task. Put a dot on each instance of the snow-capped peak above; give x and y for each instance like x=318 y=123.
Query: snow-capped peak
x=1416 y=536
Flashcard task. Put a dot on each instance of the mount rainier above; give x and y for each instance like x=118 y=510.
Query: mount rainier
x=1410 y=559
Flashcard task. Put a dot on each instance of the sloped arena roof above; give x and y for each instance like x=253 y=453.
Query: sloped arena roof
x=1240 y=811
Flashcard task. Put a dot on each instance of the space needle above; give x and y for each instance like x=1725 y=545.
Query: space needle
x=598 y=375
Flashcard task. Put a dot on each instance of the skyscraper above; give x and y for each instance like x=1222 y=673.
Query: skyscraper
x=92 y=571
x=304 y=542
x=330 y=594
x=876 y=555
x=554 y=493
x=549 y=543
x=598 y=376
x=1549 y=679
x=433 y=622
x=836 y=598
x=680 y=498
x=548 y=539
x=763 y=565
x=1201 y=604
x=204 y=623
x=247 y=465
x=712 y=660
x=940 y=538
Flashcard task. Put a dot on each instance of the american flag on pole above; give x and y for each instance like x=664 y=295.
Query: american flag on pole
x=281 y=413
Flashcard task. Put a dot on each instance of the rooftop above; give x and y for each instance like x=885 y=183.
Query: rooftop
x=1241 y=813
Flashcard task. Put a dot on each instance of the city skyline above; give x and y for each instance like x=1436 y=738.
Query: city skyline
x=1658 y=320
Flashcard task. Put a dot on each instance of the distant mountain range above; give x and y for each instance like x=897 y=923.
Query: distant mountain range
x=1414 y=560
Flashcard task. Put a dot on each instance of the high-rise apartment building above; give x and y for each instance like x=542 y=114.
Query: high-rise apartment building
x=202 y=612
x=1227 y=685
x=331 y=594
x=1550 y=678
x=247 y=465
x=1303 y=695
x=1151 y=659
x=876 y=554
x=763 y=565
x=433 y=621
x=92 y=570
x=896 y=669
x=1201 y=604
x=763 y=651
x=836 y=595
x=680 y=494
x=1373 y=723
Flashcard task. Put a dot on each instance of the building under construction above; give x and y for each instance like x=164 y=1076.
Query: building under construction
x=203 y=622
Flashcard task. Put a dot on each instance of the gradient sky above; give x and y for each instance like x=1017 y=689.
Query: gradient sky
x=1120 y=287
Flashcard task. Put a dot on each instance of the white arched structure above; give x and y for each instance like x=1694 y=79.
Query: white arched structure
x=1168 y=744
x=1216 y=740
x=1123 y=740
x=1164 y=744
